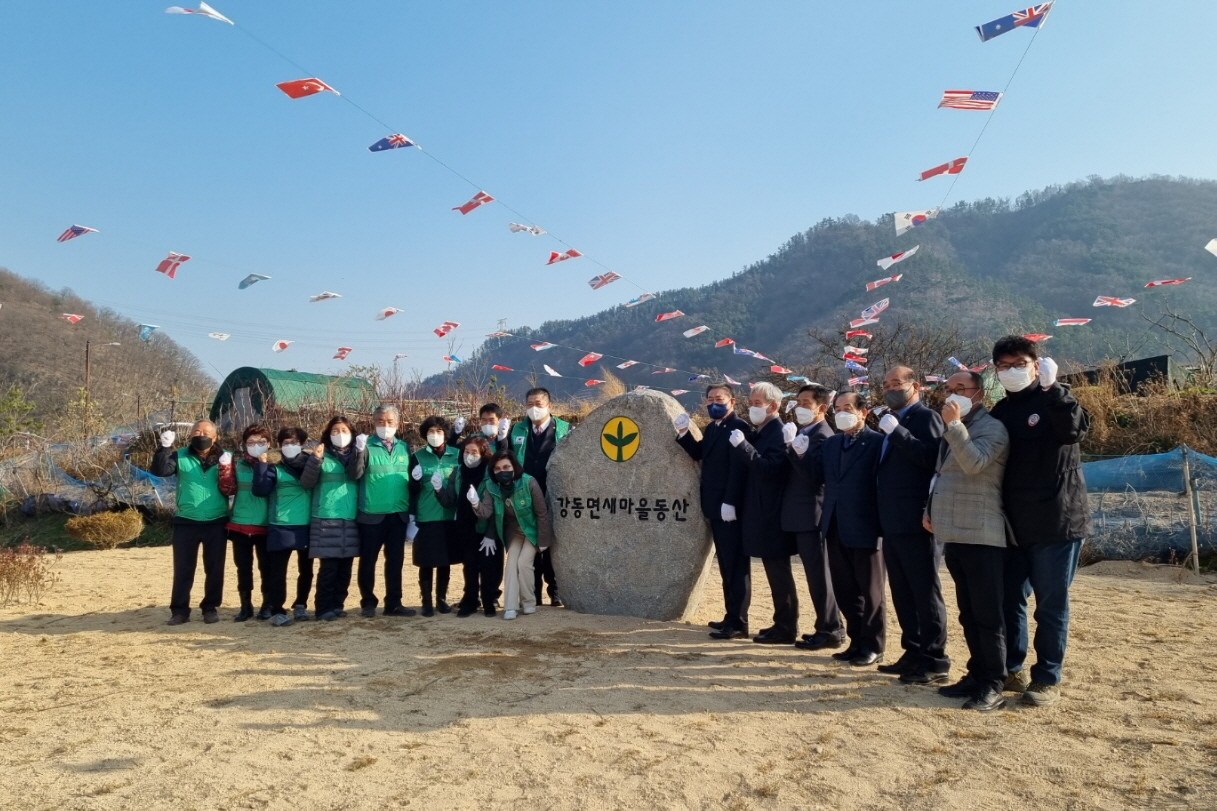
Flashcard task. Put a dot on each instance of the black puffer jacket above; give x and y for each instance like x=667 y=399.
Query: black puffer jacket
x=1044 y=493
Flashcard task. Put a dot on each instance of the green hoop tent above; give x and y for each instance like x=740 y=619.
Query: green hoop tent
x=247 y=394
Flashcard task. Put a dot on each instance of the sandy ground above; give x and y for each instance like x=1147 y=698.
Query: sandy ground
x=104 y=707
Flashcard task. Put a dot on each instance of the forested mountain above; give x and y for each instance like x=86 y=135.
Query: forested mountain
x=984 y=269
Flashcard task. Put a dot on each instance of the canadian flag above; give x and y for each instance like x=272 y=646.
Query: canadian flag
x=781 y=370
x=499 y=368
x=1161 y=282
x=279 y=346
x=880 y=282
x=171 y=263
x=554 y=256
x=689 y=333
x=949 y=168
x=590 y=358
x=592 y=382
x=299 y=88
x=888 y=261
x=724 y=342
x=668 y=316
x=476 y=200
x=446 y=327
x=342 y=353
x=71 y=318
x=386 y=312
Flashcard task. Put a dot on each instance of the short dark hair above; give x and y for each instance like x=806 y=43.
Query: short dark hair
x=491 y=408
x=479 y=444
x=256 y=429
x=977 y=380
x=818 y=393
x=1015 y=345
x=516 y=469
x=725 y=386
x=538 y=390
x=434 y=421
x=858 y=401
x=337 y=419
x=298 y=434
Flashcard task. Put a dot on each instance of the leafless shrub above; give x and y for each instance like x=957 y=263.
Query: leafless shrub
x=26 y=574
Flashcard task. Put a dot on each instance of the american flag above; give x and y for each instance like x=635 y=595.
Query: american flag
x=970 y=99
x=933 y=379
x=342 y=352
x=1161 y=282
x=590 y=358
x=554 y=256
x=1112 y=301
x=171 y=263
x=858 y=381
x=853 y=364
x=446 y=327
x=73 y=231
x=668 y=316
x=476 y=200
x=1070 y=322
x=596 y=282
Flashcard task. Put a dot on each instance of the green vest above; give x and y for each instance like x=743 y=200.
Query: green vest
x=519 y=435
x=247 y=508
x=290 y=503
x=384 y=487
x=428 y=507
x=521 y=500
x=335 y=495
x=198 y=491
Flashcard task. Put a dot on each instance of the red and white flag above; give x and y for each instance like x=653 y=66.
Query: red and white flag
x=857 y=381
x=724 y=342
x=71 y=318
x=1112 y=301
x=627 y=364
x=450 y=359
x=856 y=350
x=498 y=335
x=386 y=312
x=592 y=382
x=907 y=220
x=476 y=200
x=549 y=370
x=933 y=378
x=853 y=357
x=888 y=261
x=858 y=333
x=299 y=88
x=641 y=388
x=634 y=302
x=554 y=256
x=596 y=282
x=542 y=346
x=1162 y=282
x=1036 y=337
x=446 y=327
x=729 y=380
x=668 y=316
x=949 y=168
x=1070 y=322
x=664 y=370
x=862 y=322
x=678 y=392
x=279 y=346
x=342 y=353
x=171 y=263
x=781 y=370
x=590 y=358
x=880 y=282
x=689 y=333
x=875 y=309
x=979 y=368
x=499 y=368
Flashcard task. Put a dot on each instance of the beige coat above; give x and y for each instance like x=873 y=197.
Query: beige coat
x=966 y=496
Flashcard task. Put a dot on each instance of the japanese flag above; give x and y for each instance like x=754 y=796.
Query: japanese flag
x=279 y=346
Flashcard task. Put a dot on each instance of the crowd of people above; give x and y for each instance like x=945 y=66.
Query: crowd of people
x=997 y=493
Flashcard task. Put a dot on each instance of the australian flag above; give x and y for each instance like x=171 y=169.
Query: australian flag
x=395 y=141
x=1029 y=17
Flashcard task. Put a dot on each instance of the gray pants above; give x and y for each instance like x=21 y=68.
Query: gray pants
x=814 y=553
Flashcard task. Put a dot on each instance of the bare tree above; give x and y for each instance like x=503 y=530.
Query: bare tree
x=1185 y=335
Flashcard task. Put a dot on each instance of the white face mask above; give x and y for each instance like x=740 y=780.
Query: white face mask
x=435 y=439
x=386 y=431
x=804 y=416
x=340 y=440
x=538 y=413
x=290 y=451
x=490 y=429
x=845 y=420
x=1016 y=379
x=757 y=414
x=964 y=403
x=472 y=460
x=256 y=450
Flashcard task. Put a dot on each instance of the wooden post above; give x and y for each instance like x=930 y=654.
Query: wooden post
x=1192 y=508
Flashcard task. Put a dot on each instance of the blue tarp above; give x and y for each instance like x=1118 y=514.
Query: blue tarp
x=1150 y=472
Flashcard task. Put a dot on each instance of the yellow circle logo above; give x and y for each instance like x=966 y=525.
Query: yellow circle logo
x=619 y=439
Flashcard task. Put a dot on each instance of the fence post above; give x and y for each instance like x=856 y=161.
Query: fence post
x=1192 y=509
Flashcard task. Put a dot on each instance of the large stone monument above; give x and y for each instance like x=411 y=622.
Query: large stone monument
x=629 y=536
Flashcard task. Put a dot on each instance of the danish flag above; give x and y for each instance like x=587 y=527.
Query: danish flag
x=476 y=200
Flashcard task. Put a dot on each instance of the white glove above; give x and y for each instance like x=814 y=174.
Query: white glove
x=459 y=424
x=542 y=548
x=411 y=529
x=681 y=423
x=361 y=442
x=800 y=444
x=789 y=432
x=167 y=439
x=488 y=546
x=471 y=495
x=727 y=512
x=417 y=473
x=889 y=423
x=504 y=428
x=437 y=480
x=226 y=458
x=736 y=437
x=1048 y=370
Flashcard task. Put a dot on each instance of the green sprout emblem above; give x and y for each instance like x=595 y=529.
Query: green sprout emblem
x=620 y=441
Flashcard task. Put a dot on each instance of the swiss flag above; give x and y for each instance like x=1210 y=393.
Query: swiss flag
x=299 y=88
x=590 y=358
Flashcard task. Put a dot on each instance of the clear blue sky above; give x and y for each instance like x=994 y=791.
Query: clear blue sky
x=676 y=142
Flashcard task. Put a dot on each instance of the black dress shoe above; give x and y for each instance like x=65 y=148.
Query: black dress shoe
x=818 y=642
x=400 y=611
x=442 y=607
x=847 y=654
x=264 y=612
x=905 y=664
x=921 y=676
x=765 y=631
x=428 y=611
x=210 y=616
x=864 y=658
x=556 y=602
x=988 y=701
x=717 y=624
x=178 y=619
x=246 y=612
x=729 y=633
x=338 y=612
x=774 y=639
x=465 y=611
x=964 y=688
x=370 y=611
x=489 y=612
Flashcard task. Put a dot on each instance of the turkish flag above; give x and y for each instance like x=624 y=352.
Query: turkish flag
x=299 y=88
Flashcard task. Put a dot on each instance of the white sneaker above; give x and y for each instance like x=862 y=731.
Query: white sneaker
x=509 y=614
x=530 y=609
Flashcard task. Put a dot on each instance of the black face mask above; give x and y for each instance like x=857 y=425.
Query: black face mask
x=202 y=444
x=505 y=478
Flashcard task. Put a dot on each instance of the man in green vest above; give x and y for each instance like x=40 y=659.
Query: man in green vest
x=384 y=513
x=533 y=442
x=202 y=512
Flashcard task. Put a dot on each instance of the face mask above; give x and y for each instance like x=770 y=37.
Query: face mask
x=472 y=460
x=340 y=440
x=1016 y=379
x=757 y=414
x=538 y=413
x=504 y=477
x=202 y=444
x=716 y=410
x=804 y=416
x=435 y=439
x=845 y=420
x=386 y=431
x=290 y=451
x=897 y=398
x=964 y=403
x=256 y=450
x=490 y=429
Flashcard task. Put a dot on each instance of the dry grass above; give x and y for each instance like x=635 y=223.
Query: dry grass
x=1153 y=421
x=26 y=574
x=106 y=530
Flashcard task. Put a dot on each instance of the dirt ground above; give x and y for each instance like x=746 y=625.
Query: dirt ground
x=104 y=707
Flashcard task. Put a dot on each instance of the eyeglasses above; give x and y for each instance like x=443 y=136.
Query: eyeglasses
x=1022 y=364
x=960 y=389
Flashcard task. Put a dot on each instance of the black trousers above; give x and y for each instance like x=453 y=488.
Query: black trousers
x=543 y=567
x=274 y=565
x=736 y=570
x=912 y=575
x=441 y=574
x=857 y=582
x=304 y=577
x=483 y=573
x=245 y=548
x=978 y=571
x=813 y=551
x=389 y=534
x=187 y=539
x=333 y=583
x=780 y=575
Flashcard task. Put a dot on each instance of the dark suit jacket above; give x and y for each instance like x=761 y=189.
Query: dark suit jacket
x=849 y=488
x=905 y=471
x=722 y=473
x=804 y=496
x=764 y=454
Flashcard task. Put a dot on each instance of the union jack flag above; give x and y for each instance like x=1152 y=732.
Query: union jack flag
x=876 y=308
x=71 y=232
x=596 y=282
x=970 y=99
x=1112 y=301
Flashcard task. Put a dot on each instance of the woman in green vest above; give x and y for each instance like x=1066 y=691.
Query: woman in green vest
x=289 y=510
x=247 y=520
x=482 y=558
x=333 y=473
x=434 y=547
x=516 y=505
